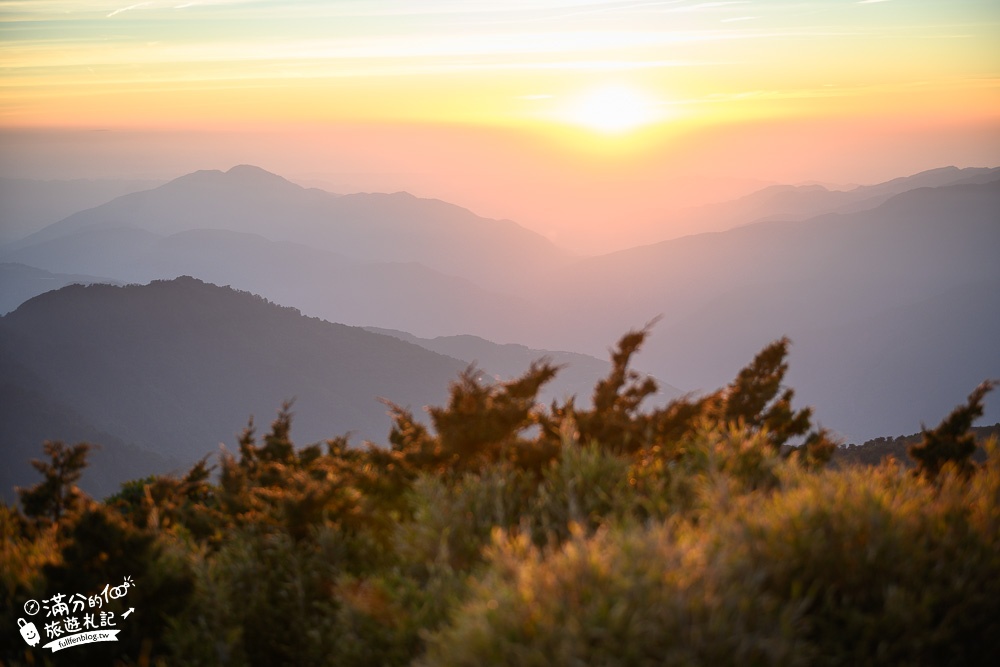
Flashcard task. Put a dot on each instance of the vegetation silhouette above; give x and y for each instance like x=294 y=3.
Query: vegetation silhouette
x=706 y=531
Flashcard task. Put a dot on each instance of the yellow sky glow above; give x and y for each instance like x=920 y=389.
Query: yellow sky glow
x=628 y=94
x=447 y=61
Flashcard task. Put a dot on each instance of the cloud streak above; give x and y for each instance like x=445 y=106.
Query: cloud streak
x=127 y=9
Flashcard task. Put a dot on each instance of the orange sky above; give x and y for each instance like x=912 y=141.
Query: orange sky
x=588 y=121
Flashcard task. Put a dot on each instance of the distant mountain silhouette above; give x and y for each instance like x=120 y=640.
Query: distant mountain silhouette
x=366 y=227
x=319 y=282
x=844 y=287
x=392 y=261
x=177 y=367
x=26 y=206
x=791 y=202
x=866 y=282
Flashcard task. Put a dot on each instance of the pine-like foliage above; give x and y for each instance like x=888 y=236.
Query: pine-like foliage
x=57 y=495
x=483 y=423
x=758 y=399
x=615 y=421
x=951 y=442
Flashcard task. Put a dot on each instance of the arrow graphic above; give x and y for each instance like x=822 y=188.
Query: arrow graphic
x=130 y=610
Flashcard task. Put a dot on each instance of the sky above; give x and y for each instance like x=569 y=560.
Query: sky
x=587 y=121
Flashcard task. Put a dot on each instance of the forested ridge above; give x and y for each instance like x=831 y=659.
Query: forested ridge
x=877 y=450
x=710 y=530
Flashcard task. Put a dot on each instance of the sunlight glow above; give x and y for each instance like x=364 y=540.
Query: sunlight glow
x=612 y=110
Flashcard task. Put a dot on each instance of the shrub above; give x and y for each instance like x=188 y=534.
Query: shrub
x=951 y=442
x=510 y=533
x=835 y=568
x=24 y=552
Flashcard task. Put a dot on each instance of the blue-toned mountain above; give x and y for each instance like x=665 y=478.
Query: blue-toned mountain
x=177 y=367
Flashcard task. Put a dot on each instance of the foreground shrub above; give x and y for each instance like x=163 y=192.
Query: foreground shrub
x=101 y=547
x=508 y=533
x=846 y=568
x=24 y=552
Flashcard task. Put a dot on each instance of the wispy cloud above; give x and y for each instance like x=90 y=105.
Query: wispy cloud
x=128 y=9
x=702 y=6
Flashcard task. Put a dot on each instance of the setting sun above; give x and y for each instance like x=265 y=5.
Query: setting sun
x=611 y=110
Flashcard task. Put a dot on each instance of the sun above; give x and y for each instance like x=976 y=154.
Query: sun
x=614 y=109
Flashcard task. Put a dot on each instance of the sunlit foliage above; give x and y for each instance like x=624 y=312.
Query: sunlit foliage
x=501 y=531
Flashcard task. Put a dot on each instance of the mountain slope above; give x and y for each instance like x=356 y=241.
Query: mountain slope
x=319 y=282
x=29 y=415
x=824 y=281
x=725 y=295
x=909 y=364
x=799 y=202
x=370 y=227
x=177 y=367
x=27 y=206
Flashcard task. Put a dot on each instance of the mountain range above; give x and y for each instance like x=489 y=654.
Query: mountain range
x=163 y=373
x=860 y=294
x=796 y=202
x=178 y=367
x=392 y=228
x=888 y=291
x=392 y=261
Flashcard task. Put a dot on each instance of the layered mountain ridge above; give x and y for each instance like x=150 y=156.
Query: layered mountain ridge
x=887 y=291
